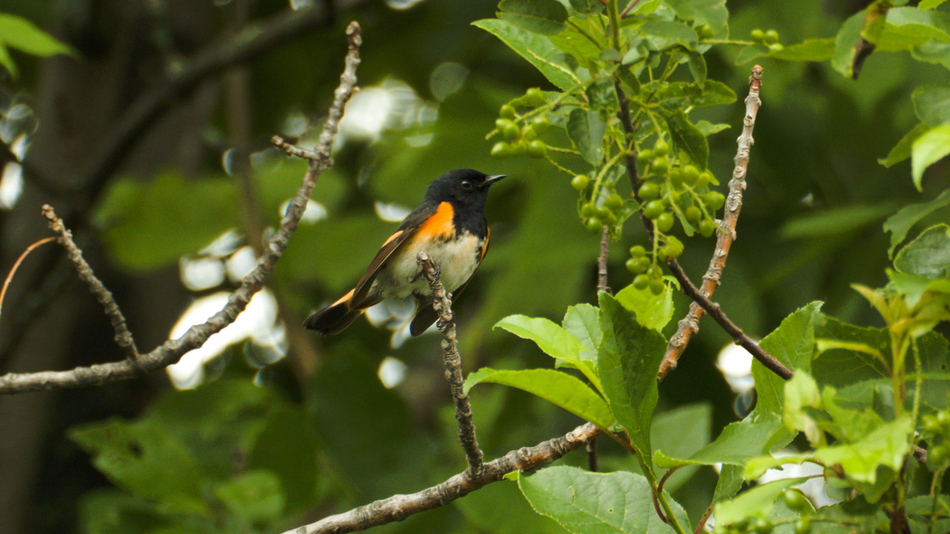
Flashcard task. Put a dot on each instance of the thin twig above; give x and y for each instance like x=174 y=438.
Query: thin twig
x=172 y=350
x=702 y=520
x=399 y=507
x=16 y=265
x=123 y=337
x=720 y=317
x=453 y=365
x=592 y=455
x=689 y=325
x=602 y=261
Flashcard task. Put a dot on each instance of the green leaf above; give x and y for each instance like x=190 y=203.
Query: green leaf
x=595 y=503
x=556 y=387
x=712 y=12
x=536 y=49
x=583 y=322
x=932 y=104
x=697 y=67
x=8 y=62
x=808 y=50
x=934 y=52
x=147 y=226
x=665 y=33
x=887 y=446
x=653 y=311
x=927 y=255
x=899 y=224
x=142 y=459
x=546 y=17
x=678 y=95
x=555 y=342
x=932 y=146
x=907 y=27
x=629 y=359
x=482 y=508
x=737 y=443
x=930 y=4
x=17 y=32
x=709 y=128
x=757 y=502
x=902 y=149
x=688 y=138
x=586 y=130
x=285 y=448
x=835 y=221
x=682 y=432
x=792 y=343
x=254 y=495
x=847 y=37
x=802 y=392
x=848 y=354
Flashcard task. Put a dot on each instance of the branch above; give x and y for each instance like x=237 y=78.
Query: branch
x=399 y=507
x=602 y=261
x=719 y=316
x=453 y=365
x=16 y=265
x=172 y=350
x=123 y=337
x=689 y=325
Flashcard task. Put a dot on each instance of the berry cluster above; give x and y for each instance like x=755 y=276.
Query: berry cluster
x=521 y=133
x=765 y=38
x=795 y=500
x=938 y=425
x=611 y=206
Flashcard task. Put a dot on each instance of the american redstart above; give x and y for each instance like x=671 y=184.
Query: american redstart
x=449 y=226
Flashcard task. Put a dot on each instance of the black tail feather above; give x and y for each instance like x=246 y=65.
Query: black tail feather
x=332 y=319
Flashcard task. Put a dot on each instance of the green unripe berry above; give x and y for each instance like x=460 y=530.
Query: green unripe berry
x=637 y=251
x=537 y=148
x=507 y=112
x=528 y=133
x=632 y=265
x=705 y=178
x=580 y=183
x=614 y=202
x=654 y=271
x=930 y=424
x=508 y=129
x=673 y=247
x=762 y=526
x=795 y=500
x=609 y=218
x=664 y=222
x=641 y=282
x=757 y=35
x=693 y=214
x=654 y=209
x=643 y=263
x=676 y=177
x=706 y=32
x=534 y=97
x=649 y=191
x=937 y=456
x=803 y=526
x=588 y=210
x=519 y=148
x=644 y=156
x=770 y=37
x=661 y=149
x=602 y=212
x=657 y=286
x=660 y=167
x=714 y=200
x=501 y=150
x=594 y=225
x=540 y=124
x=690 y=175
x=707 y=228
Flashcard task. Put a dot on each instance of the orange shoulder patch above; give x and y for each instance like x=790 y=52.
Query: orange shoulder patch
x=439 y=225
x=481 y=255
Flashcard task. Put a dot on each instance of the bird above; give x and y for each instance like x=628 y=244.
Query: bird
x=449 y=225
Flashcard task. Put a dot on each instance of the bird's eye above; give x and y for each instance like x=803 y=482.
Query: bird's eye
x=466 y=185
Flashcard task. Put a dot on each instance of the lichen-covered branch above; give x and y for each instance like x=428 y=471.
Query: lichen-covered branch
x=453 y=365
x=689 y=325
x=172 y=350
x=399 y=507
x=123 y=337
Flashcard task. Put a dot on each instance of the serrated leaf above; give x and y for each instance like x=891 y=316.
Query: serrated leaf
x=583 y=322
x=628 y=359
x=712 y=12
x=536 y=49
x=899 y=224
x=808 y=50
x=546 y=17
x=653 y=311
x=595 y=503
x=555 y=341
x=932 y=104
x=688 y=138
x=586 y=130
x=736 y=443
x=902 y=149
x=697 y=67
x=907 y=28
x=255 y=495
x=709 y=128
x=678 y=95
x=927 y=255
x=933 y=52
x=666 y=33
x=792 y=343
x=847 y=37
x=802 y=392
x=757 y=502
x=930 y=4
x=556 y=387
x=932 y=146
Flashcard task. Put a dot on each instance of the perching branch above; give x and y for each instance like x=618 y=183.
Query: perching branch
x=123 y=337
x=689 y=325
x=399 y=507
x=16 y=265
x=453 y=365
x=720 y=317
x=602 y=260
x=172 y=350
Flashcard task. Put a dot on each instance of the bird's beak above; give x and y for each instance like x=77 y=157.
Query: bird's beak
x=492 y=179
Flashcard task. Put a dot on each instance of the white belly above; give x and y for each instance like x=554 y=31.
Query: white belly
x=457 y=259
